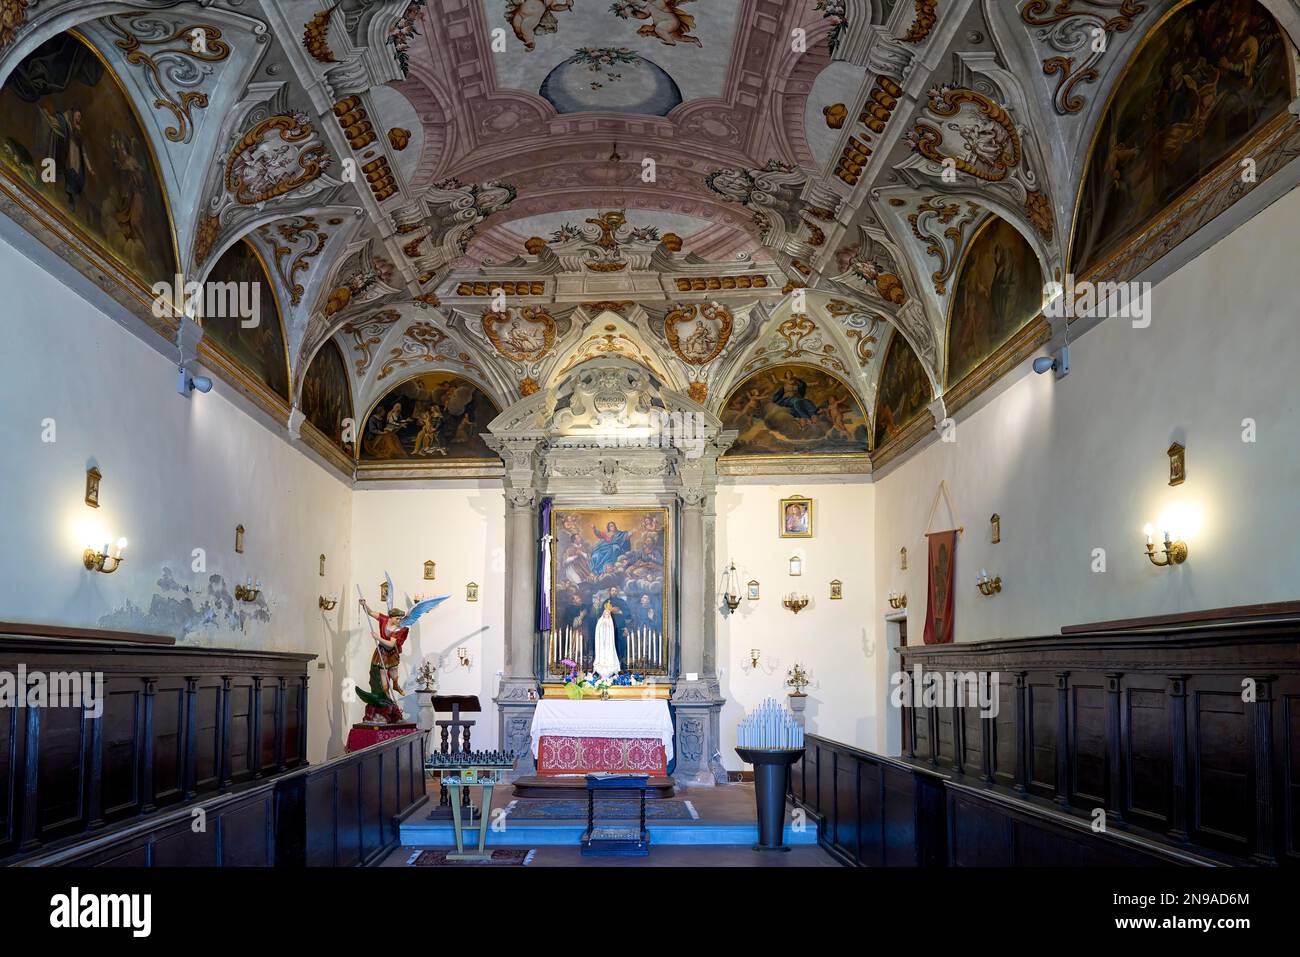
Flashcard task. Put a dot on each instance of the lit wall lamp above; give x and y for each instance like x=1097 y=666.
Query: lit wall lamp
x=330 y=603
x=796 y=602
x=897 y=600
x=1175 y=551
x=731 y=594
x=104 y=561
x=988 y=586
x=754 y=655
x=462 y=655
x=248 y=591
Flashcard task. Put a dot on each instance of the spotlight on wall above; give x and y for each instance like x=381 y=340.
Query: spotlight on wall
x=186 y=383
x=1058 y=362
x=104 y=560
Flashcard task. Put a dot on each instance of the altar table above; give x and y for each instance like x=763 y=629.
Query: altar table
x=578 y=737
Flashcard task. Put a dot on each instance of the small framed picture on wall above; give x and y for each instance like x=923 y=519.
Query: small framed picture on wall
x=753 y=591
x=796 y=517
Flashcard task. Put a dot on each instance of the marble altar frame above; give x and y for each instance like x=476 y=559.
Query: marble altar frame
x=584 y=443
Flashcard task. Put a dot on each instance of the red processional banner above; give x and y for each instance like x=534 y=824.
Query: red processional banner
x=938 y=611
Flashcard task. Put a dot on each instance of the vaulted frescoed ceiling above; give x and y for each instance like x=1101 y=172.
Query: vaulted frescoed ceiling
x=500 y=190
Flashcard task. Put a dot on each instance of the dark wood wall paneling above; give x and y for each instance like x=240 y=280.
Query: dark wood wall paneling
x=1145 y=719
x=868 y=808
x=178 y=724
x=341 y=813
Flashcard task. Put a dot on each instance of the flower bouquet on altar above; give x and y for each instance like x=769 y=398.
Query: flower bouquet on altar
x=578 y=686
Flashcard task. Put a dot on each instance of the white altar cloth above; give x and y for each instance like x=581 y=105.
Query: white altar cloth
x=603 y=719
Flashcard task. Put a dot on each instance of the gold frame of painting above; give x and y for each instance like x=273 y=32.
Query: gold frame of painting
x=777 y=463
x=876 y=460
x=213 y=354
x=998 y=355
x=458 y=468
x=1153 y=227
x=326 y=449
x=669 y=593
x=911 y=434
x=318 y=440
x=780 y=517
x=96 y=256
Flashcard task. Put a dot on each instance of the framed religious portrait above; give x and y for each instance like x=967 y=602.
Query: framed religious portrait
x=837 y=590
x=93 y=476
x=1177 y=464
x=796 y=517
x=753 y=591
x=796 y=565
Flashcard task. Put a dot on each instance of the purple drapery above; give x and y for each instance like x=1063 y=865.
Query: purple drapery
x=543 y=568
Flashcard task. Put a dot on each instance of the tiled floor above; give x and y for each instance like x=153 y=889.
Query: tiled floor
x=723 y=804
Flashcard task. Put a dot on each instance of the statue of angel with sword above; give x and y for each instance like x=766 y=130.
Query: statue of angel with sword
x=394 y=629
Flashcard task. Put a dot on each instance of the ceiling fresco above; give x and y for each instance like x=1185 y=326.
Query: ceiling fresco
x=500 y=190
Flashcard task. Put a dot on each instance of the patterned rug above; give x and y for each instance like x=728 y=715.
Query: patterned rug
x=501 y=857
x=547 y=809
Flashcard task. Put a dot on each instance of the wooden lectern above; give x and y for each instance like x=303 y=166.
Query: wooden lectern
x=455 y=734
x=455 y=704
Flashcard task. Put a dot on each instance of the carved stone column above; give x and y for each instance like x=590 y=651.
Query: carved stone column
x=516 y=696
x=697 y=701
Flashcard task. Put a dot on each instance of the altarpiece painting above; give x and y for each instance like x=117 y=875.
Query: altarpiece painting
x=62 y=104
x=615 y=557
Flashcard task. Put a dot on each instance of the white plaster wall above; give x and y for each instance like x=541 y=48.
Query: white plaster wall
x=1079 y=464
x=835 y=641
x=461 y=527
x=179 y=475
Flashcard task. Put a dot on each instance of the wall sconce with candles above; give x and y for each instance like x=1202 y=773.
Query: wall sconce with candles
x=105 y=561
x=754 y=655
x=731 y=588
x=796 y=602
x=330 y=603
x=1175 y=550
x=988 y=586
x=462 y=655
x=897 y=600
x=248 y=591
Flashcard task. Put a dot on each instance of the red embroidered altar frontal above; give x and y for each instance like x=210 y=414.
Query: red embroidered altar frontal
x=565 y=755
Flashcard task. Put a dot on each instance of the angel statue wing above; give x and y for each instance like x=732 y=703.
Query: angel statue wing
x=391 y=590
x=419 y=608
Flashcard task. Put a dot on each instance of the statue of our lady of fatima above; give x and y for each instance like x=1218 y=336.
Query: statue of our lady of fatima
x=606 y=664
